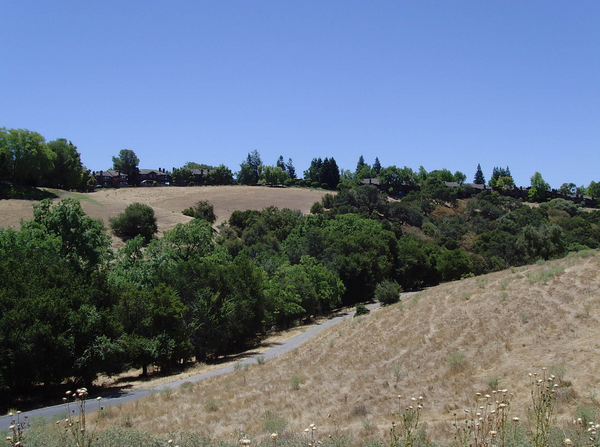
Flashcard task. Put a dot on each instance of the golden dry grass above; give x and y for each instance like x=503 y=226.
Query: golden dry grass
x=168 y=202
x=506 y=324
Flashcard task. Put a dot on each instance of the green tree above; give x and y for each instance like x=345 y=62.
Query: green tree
x=182 y=176
x=221 y=175
x=138 y=219
x=83 y=240
x=68 y=170
x=203 y=209
x=377 y=166
x=245 y=176
x=593 y=189
x=568 y=188
x=505 y=182
x=254 y=161
x=387 y=292
x=290 y=169
x=274 y=175
x=544 y=241
x=460 y=177
x=128 y=163
x=199 y=166
x=499 y=173
x=280 y=163
x=360 y=165
x=539 y=186
x=479 y=178
x=25 y=156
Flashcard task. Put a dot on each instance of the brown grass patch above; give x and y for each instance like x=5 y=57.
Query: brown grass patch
x=168 y=202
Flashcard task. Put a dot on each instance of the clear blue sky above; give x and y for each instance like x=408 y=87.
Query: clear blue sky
x=443 y=84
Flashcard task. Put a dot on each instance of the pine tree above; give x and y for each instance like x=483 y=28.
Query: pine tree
x=479 y=178
x=377 y=166
x=360 y=164
x=290 y=169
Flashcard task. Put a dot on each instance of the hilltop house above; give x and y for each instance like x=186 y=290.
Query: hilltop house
x=115 y=179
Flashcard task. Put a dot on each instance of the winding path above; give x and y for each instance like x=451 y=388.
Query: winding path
x=121 y=397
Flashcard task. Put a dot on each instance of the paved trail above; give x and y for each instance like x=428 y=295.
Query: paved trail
x=107 y=401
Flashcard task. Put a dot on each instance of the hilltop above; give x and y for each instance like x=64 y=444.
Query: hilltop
x=168 y=202
x=503 y=325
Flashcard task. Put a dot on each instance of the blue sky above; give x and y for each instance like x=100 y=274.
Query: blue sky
x=443 y=84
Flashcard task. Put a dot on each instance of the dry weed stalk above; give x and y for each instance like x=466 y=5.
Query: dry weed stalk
x=485 y=423
x=541 y=412
x=17 y=429
x=409 y=424
x=75 y=423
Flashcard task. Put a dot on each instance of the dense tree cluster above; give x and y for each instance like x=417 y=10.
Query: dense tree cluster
x=27 y=160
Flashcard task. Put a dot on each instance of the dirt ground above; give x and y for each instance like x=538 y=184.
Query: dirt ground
x=168 y=202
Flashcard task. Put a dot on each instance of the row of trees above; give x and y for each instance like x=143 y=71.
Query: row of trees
x=26 y=159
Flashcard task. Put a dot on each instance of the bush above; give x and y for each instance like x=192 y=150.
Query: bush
x=361 y=309
x=456 y=361
x=387 y=292
x=316 y=208
x=138 y=219
x=201 y=210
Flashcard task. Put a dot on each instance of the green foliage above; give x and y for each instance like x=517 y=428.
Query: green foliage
x=221 y=175
x=456 y=361
x=25 y=159
x=9 y=191
x=593 y=189
x=561 y=204
x=453 y=264
x=55 y=300
x=68 y=170
x=501 y=178
x=182 y=176
x=83 y=239
x=203 y=209
x=295 y=381
x=274 y=175
x=545 y=242
x=245 y=176
x=127 y=163
x=361 y=309
x=537 y=192
x=317 y=208
x=138 y=219
x=323 y=172
x=479 y=178
x=387 y=292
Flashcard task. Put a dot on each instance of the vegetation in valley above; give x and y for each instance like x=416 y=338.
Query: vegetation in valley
x=75 y=308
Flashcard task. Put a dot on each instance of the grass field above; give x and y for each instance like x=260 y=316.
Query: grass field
x=168 y=202
x=444 y=344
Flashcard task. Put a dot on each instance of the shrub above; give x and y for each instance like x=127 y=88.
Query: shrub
x=201 y=210
x=456 y=361
x=273 y=423
x=137 y=219
x=361 y=309
x=295 y=381
x=316 y=208
x=387 y=292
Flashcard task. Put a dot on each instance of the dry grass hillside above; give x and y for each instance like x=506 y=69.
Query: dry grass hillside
x=505 y=324
x=168 y=202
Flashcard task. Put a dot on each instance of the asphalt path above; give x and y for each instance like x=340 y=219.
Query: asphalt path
x=58 y=411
